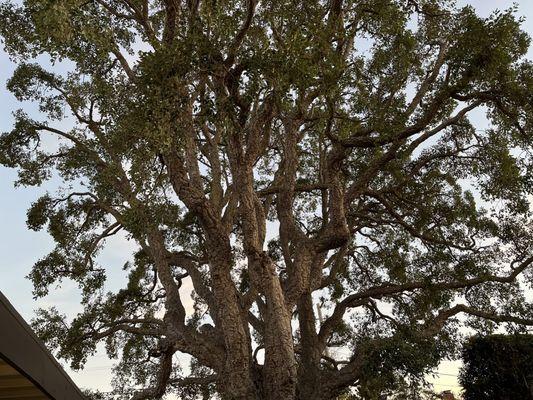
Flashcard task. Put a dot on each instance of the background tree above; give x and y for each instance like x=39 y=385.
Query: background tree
x=273 y=155
x=498 y=367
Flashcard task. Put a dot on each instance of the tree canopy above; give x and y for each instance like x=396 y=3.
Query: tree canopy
x=498 y=367
x=275 y=156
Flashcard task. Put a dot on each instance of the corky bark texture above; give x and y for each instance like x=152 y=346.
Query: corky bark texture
x=272 y=157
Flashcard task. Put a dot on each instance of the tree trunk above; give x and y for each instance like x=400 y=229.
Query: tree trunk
x=308 y=373
x=237 y=382
x=280 y=373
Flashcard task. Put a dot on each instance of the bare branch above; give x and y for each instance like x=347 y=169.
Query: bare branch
x=444 y=315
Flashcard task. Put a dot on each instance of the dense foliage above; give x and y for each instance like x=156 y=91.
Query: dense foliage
x=275 y=156
x=498 y=367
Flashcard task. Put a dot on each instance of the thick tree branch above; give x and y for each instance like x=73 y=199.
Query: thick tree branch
x=379 y=292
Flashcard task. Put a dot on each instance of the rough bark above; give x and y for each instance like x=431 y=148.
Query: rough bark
x=255 y=153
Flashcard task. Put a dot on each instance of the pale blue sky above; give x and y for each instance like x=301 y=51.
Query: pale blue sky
x=20 y=248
